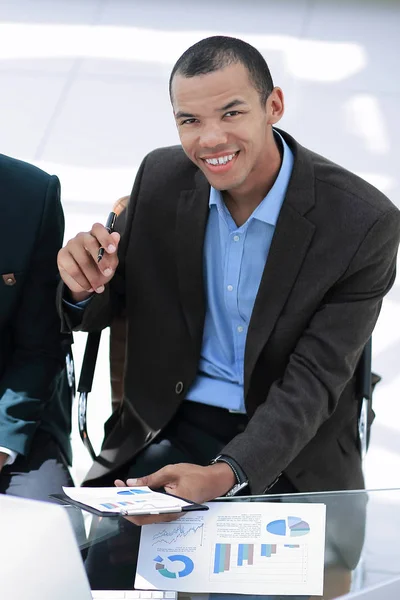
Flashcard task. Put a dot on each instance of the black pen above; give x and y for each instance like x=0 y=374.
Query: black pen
x=110 y=228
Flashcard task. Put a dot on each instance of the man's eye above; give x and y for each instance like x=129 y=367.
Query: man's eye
x=232 y=113
x=188 y=121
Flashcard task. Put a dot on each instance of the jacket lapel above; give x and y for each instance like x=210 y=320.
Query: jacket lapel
x=292 y=237
x=190 y=230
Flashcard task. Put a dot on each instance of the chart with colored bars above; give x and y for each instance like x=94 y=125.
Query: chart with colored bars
x=261 y=562
x=121 y=503
x=292 y=526
x=189 y=534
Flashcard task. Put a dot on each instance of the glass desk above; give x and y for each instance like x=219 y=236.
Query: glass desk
x=362 y=543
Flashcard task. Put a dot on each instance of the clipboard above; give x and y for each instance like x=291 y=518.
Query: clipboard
x=127 y=503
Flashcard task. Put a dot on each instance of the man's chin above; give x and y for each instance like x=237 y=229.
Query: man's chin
x=218 y=183
x=226 y=186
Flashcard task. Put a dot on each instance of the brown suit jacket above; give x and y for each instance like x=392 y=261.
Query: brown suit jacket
x=331 y=261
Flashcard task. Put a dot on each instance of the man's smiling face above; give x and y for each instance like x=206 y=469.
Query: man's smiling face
x=223 y=127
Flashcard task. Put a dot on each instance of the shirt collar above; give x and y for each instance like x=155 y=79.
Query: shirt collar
x=268 y=210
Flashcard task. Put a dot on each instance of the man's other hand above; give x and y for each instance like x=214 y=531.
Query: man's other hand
x=188 y=481
x=78 y=266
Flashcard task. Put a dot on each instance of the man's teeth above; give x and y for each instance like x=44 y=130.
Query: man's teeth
x=222 y=160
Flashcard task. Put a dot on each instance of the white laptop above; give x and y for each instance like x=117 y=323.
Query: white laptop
x=40 y=559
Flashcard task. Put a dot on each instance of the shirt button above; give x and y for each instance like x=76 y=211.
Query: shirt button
x=179 y=388
x=236 y=238
x=229 y=288
x=240 y=329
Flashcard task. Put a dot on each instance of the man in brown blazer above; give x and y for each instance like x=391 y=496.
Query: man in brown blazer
x=255 y=374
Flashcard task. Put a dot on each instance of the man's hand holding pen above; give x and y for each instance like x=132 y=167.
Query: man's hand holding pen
x=79 y=264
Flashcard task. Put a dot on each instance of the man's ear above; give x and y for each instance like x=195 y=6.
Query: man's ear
x=275 y=106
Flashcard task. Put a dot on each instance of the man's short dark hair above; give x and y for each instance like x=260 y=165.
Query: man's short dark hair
x=218 y=52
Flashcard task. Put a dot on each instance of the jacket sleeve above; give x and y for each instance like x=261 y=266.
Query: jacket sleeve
x=37 y=354
x=323 y=361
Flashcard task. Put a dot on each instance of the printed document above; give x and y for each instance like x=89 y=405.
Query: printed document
x=127 y=500
x=237 y=547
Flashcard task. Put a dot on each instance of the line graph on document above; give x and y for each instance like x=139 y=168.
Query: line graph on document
x=190 y=533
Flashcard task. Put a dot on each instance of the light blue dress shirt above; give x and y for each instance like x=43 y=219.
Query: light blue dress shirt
x=234 y=261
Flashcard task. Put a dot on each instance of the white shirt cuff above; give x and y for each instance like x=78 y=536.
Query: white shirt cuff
x=12 y=455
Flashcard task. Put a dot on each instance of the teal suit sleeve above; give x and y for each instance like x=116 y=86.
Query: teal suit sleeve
x=35 y=355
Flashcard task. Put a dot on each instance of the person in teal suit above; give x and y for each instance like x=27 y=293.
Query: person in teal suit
x=35 y=392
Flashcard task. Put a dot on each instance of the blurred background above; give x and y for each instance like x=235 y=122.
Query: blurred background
x=84 y=95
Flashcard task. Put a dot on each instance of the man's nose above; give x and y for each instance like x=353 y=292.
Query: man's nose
x=212 y=136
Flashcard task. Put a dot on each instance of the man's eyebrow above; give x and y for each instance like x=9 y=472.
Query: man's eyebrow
x=183 y=115
x=232 y=104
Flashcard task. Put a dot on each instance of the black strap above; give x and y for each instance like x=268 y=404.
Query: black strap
x=365 y=375
x=89 y=362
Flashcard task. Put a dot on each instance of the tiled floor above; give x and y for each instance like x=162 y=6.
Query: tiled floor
x=84 y=95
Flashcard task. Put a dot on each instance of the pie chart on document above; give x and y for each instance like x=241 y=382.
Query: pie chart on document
x=293 y=526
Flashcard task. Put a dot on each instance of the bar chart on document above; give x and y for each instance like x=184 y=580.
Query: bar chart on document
x=277 y=562
x=260 y=562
